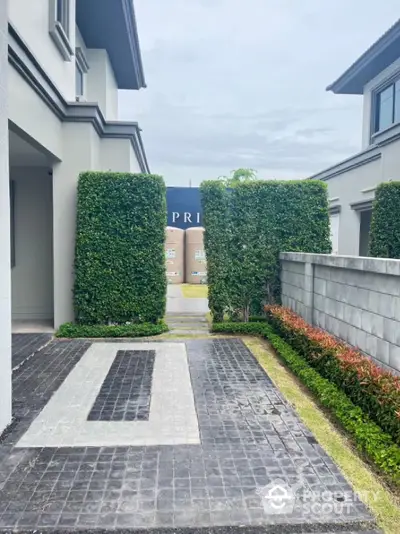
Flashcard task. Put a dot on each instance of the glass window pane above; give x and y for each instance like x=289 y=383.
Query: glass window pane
x=59 y=13
x=78 y=81
x=385 y=108
x=397 y=101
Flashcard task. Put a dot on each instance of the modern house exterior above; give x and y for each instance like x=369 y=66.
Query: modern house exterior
x=65 y=61
x=352 y=183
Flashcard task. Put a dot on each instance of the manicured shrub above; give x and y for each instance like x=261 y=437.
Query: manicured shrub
x=214 y=198
x=250 y=225
x=370 y=387
x=369 y=438
x=73 y=330
x=119 y=260
x=385 y=224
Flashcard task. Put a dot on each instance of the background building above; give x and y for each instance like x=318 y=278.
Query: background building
x=352 y=183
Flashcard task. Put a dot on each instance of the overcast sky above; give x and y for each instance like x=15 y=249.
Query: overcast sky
x=241 y=83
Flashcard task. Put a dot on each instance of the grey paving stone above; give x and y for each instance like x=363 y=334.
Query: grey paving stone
x=24 y=346
x=250 y=438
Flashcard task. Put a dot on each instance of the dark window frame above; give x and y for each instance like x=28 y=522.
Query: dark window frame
x=377 y=108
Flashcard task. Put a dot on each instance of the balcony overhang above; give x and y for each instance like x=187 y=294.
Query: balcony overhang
x=380 y=55
x=111 y=25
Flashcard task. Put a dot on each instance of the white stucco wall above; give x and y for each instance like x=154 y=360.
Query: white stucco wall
x=28 y=111
x=101 y=84
x=31 y=20
x=348 y=188
x=83 y=150
x=32 y=275
x=5 y=277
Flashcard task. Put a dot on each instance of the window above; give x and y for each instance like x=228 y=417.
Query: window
x=387 y=107
x=79 y=81
x=62 y=15
x=334 y=224
x=365 y=226
x=81 y=69
x=59 y=26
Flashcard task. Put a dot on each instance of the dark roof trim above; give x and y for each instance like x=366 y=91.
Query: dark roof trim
x=25 y=63
x=111 y=25
x=379 y=56
x=335 y=209
x=362 y=205
x=358 y=160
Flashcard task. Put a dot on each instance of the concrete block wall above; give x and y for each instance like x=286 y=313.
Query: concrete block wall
x=356 y=299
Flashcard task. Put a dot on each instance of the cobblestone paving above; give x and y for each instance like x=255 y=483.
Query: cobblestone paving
x=126 y=391
x=26 y=345
x=250 y=438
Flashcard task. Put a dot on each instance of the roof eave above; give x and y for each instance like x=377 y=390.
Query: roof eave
x=130 y=20
x=353 y=80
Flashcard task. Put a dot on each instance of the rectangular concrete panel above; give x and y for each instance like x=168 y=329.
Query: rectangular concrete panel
x=173 y=420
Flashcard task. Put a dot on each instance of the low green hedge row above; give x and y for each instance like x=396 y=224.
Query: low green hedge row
x=377 y=445
x=374 y=390
x=72 y=330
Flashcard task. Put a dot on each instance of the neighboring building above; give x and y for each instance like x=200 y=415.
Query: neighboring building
x=67 y=60
x=352 y=183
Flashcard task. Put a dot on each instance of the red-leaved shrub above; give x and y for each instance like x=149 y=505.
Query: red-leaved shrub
x=369 y=386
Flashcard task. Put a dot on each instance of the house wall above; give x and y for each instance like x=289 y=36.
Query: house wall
x=28 y=111
x=355 y=299
x=31 y=20
x=32 y=274
x=348 y=188
x=83 y=151
x=5 y=282
x=387 y=73
x=101 y=83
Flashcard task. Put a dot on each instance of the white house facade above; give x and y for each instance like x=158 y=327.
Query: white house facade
x=352 y=183
x=64 y=62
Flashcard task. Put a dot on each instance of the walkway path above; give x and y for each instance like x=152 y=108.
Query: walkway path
x=186 y=315
x=214 y=444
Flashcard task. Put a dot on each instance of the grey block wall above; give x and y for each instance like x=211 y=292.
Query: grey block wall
x=356 y=299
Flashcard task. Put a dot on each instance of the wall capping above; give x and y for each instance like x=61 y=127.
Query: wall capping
x=373 y=265
x=25 y=63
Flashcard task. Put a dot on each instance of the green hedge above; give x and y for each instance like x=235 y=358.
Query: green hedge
x=73 y=330
x=245 y=230
x=370 y=439
x=214 y=198
x=374 y=390
x=119 y=259
x=385 y=225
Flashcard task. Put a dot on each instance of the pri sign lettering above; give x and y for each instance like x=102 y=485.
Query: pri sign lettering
x=184 y=207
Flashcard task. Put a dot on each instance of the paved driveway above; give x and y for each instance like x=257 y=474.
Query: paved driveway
x=227 y=450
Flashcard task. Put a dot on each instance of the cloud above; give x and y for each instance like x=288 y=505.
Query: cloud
x=234 y=84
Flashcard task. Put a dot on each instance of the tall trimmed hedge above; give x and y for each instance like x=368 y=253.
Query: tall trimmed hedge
x=214 y=198
x=119 y=259
x=263 y=218
x=385 y=224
